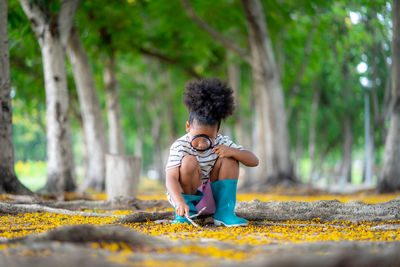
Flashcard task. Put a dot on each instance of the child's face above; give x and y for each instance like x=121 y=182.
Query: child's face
x=195 y=129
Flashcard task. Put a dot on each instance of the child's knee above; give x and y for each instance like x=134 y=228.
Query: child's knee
x=190 y=171
x=225 y=168
x=189 y=163
x=230 y=163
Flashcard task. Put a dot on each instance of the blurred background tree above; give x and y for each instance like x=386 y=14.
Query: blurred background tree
x=330 y=57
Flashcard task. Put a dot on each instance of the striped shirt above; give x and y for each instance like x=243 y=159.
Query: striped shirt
x=206 y=160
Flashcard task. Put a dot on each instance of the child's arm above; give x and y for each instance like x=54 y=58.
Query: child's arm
x=246 y=157
x=175 y=190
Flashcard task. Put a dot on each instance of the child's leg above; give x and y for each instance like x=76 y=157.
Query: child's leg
x=225 y=168
x=189 y=175
x=190 y=180
x=224 y=181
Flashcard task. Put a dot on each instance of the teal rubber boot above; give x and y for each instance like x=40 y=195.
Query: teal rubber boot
x=191 y=201
x=224 y=192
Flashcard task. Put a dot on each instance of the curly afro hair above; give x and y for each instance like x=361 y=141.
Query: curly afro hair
x=209 y=101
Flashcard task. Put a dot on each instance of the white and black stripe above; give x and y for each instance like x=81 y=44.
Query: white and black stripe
x=207 y=159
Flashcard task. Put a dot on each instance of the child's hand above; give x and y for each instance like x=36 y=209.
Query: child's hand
x=182 y=209
x=224 y=151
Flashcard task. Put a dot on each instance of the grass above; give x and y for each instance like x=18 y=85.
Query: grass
x=304 y=170
x=33 y=175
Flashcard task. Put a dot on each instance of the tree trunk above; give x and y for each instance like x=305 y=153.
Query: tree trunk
x=378 y=121
x=234 y=83
x=390 y=177
x=138 y=146
x=93 y=122
x=52 y=35
x=371 y=155
x=138 y=151
x=60 y=165
x=171 y=129
x=299 y=148
x=271 y=124
x=275 y=163
x=312 y=147
x=347 y=133
x=116 y=138
x=319 y=168
x=157 y=150
x=122 y=176
x=295 y=88
x=8 y=180
x=345 y=167
x=238 y=128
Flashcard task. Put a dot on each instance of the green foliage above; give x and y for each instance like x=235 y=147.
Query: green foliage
x=31 y=173
x=159 y=49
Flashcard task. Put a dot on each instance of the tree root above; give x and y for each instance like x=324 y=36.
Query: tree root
x=330 y=254
x=28 y=199
x=74 y=238
x=116 y=203
x=142 y=216
x=326 y=210
x=14 y=209
x=255 y=210
x=91 y=233
x=139 y=216
x=304 y=225
x=53 y=253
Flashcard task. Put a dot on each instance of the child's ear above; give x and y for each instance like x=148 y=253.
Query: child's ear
x=187 y=127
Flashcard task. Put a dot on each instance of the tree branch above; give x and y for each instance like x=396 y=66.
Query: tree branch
x=19 y=62
x=65 y=18
x=229 y=44
x=280 y=55
x=172 y=61
x=35 y=15
x=295 y=88
x=300 y=73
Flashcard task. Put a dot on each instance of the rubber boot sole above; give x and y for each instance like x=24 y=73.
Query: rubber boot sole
x=221 y=223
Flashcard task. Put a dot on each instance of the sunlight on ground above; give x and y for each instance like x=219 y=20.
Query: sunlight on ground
x=372 y=198
x=267 y=232
x=362 y=197
x=255 y=234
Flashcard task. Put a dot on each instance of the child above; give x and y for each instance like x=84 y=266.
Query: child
x=203 y=166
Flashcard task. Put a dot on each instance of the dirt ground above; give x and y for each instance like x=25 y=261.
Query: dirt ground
x=358 y=230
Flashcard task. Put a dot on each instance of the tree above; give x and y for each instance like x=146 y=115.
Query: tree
x=92 y=118
x=120 y=42
x=52 y=31
x=304 y=36
x=378 y=53
x=271 y=122
x=390 y=177
x=116 y=132
x=8 y=180
x=110 y=28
